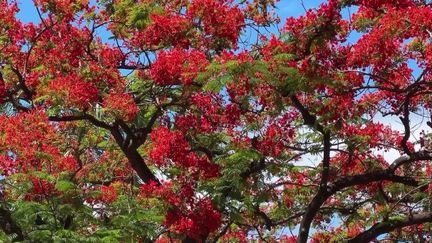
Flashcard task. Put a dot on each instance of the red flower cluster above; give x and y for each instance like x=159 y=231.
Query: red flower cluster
x=220 y=20
x=240 y=237
x=74 y=91
x=12 y=32
x=201 y=220
x=377 y=49
x=41 y=186
x=171 y=146
x=108 y=194
x=31 y=143
x=372 y=134
x=121 y=106
x=164 y=191
x=178 y=67
x=63 y=8
x=376 y=4
x=109 y=56
x=303 y=28
x=272 y=144
x=273 y=138
x=380 y=46
x=196 y=217
x=273 y=47
x=41 y=189
x=168 y=145
x=167 y=30
x=213 y=114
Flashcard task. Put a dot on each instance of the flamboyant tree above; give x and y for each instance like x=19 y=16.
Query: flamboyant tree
x=196 y=120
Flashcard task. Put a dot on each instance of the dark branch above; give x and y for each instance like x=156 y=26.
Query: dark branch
x=391 y=225
x=28 y=93
x=406 y=123
x=134 y=158
x=9 y=226
x=308 y=118
x=349 y=181
x=81 y=117
x=321 y=196
x=417 y=156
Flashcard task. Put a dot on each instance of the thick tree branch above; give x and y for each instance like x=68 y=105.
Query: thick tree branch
x=363 y=179
x=267 y=220
x=391 y=225
x=131 y=153
x=326 y=160
x=349 y=181
x=135 y=159
x=405 y=159
x=81 y=117
x=309 y=119
x=142 y=133
x=406 y=123
x=321 y=196
x=28 y=93
x=9 y=226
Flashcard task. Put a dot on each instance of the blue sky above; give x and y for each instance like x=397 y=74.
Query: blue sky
x=287 y=8
x=28 y=12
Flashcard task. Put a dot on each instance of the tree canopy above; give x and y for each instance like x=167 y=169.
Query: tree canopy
x=215 y=121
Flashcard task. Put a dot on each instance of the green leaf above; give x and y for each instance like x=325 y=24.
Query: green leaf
x=64 y=186
x=217 y=84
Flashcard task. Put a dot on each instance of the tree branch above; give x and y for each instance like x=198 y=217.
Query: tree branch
x=81 y=117
x=133 y=156
x=417 y=156
x=322 y=194
x=9 y=226
x=391 y=225
x=308 y=118
x=349 y=181
x=406 y=123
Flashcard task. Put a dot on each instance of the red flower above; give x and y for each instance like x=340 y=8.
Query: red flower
x=167 y=30
x=221 y=22
x=41 y=188
x=109 y=194
x=121 y=106
x=178 y=66
x=75 y=91
x=201 y=220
